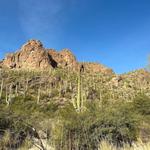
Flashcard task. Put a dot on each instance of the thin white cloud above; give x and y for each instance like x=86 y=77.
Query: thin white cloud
x=41 y=17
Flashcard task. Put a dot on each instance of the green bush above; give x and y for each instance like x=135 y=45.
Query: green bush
x=142 y=104
x=117 y=123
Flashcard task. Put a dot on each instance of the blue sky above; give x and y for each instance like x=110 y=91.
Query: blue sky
x=113 y=32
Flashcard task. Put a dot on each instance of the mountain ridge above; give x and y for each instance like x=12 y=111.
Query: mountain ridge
x=33 y=55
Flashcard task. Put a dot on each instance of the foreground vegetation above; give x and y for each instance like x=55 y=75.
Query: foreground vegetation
x=61 y=110
x=135 y=146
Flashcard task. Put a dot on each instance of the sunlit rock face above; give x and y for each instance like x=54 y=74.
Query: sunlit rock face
x=64 y=58
x=96 y=68
x=32 y=55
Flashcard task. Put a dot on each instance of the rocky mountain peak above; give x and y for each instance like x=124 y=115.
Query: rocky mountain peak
x=32 y=44
x=33 y=55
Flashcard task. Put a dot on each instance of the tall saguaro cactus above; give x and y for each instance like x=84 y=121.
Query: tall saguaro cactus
x=79 y=96
x=1 y=88
x=78 y=102
x=39 y=94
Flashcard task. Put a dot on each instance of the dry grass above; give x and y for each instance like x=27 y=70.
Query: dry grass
x=104 y=145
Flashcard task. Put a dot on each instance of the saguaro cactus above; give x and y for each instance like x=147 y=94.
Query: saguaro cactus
x=6 y=97
x=60 y=89
x=16 y=90
x=10 y=93
x=1 y=88
x=78 y=102
x=39 y=94
x=79 y=96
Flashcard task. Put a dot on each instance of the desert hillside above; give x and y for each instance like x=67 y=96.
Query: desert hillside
x=50 y=101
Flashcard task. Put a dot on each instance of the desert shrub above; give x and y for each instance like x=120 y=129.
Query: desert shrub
x=118 y=124
x=49 y=110
x=142 y=104
x=12 y=130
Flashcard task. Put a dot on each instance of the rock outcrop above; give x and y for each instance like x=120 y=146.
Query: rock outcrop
x=95 y=68
x=33 y=55
x=64 y=58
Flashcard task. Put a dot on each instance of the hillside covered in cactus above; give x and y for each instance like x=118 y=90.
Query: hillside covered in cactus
x=50 y=101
